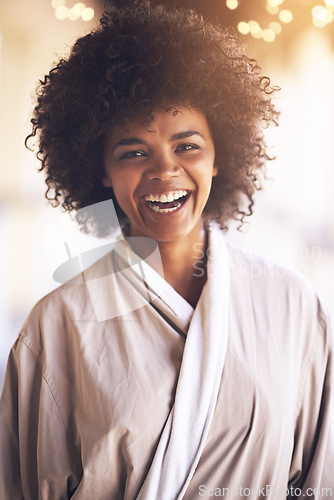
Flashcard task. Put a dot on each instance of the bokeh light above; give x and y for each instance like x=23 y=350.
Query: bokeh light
x=254 y=27
x=268 y=35
x=322 y=16
x=319 y=12
x=285 y=16
x=272 y=9
x=274 y=3
x=87 y=14
x=257 y=34
x=275 y=27
x=243 y=28
x=232 y=4
x=330 y=16
x=78 y=9
x=72 y=15
x=61 y=13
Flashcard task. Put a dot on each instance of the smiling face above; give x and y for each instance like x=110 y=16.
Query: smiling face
x=161 y=174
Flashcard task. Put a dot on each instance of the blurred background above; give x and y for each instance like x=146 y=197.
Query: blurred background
x=293 y=221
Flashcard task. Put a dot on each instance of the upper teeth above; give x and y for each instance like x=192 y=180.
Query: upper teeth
x=165 y=198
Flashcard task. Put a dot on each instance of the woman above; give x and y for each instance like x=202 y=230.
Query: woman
x=209 y=375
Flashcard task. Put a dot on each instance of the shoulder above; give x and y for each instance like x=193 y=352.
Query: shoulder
x=282 y=295
x=278 y=307
x=262 y=273
x=59 y=314
x=263 y=277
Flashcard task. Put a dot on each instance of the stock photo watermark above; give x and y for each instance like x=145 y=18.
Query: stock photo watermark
x=78 y=258
x=71 y=253
x=254 y=268
x=267 y=491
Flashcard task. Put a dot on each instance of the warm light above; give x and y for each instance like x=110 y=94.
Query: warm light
x=243 y=28
x=87 y=14
x=61 y=13
x=330 y=5
x=322 y=16
x=318 y=23
x=272 y=9
x=305 y=3
x=330 y=16
x=57 y=3
x=78 y=8
x=232 y=4
x=268 y=35
x=257 y=34
x=275 y=27
x=72 y=15
x=285 y=16
x=320 y=13
x=254 y=27
x=274 y=3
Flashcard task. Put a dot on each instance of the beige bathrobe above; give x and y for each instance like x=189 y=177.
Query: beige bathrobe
x=91 y=382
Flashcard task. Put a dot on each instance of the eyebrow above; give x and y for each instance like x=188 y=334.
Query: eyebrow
x=185 y=135
x=130 y=141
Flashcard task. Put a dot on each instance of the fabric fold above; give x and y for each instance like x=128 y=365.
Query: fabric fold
x=184 y=435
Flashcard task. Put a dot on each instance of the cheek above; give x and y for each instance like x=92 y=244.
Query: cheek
x=204 y=176
x=120 y=191
x=124 y=187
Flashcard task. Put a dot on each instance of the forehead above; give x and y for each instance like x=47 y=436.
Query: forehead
x=162 y=123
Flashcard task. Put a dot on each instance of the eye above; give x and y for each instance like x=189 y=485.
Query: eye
x=186 y=147
x=132 y=154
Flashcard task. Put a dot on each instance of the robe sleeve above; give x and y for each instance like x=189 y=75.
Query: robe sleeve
x=313 y=457
x=30 y=420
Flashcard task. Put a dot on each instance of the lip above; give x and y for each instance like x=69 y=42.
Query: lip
x=156 y=216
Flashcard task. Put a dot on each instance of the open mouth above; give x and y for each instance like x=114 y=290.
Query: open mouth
x=166 y=203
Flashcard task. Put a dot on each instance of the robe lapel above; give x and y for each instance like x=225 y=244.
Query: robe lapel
x=184 y=435
x=123 y=282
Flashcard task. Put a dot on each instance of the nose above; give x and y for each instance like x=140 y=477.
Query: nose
x=163 y=167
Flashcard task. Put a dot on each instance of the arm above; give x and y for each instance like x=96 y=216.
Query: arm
x=312 y=467
x=34 y=456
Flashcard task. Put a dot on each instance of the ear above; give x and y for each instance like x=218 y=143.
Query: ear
x=214 y=171
x=106 y=181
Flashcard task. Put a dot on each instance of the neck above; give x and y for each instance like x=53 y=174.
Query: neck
x=185 y=268
x=184 y=264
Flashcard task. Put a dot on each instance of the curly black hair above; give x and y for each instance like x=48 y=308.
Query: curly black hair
x=140 y=58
